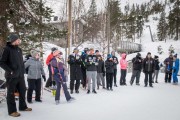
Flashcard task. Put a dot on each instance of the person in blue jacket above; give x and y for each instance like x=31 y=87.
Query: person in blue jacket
x=175 y=69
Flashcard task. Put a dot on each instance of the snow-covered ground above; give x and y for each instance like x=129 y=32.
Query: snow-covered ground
x=125 y=103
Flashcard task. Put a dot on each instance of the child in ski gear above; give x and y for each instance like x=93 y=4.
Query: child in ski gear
x=156 y=68
x=50 y=82
x=12 y=63
x=109 y=64
x=148 y=69
x=137 y=67
x=35 y=71
x=168 y=68
x=123 y=67
x=58 y=76
x=83 y=67
x=175 y=69
x=91 y=62
x=100 y=72
x=75 y=63
x=115 y=60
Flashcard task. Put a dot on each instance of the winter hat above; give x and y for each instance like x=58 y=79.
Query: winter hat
x=13 y=37
x=76 y=49
x=148 y=53
x=34 y=53
x=175 y=55
x=138 y=55
x=156 y=56
x=86 y=49
x=54 y=49
x=96 y=51
x=109 y=56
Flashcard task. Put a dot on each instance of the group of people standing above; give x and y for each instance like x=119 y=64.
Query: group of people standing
x=151 y=66
x=90 y=67
x=87 y=68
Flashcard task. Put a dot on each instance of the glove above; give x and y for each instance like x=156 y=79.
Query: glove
x=44 y=77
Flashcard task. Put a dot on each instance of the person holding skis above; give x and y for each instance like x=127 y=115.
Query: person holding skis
x=137 y=67
x=91 y=62
x=109 y=64
x=116 y=62
x=175 y=69
x=148 y=69
x=59 y=77
x=35 y=71
x=123 y=66
x=75 y=63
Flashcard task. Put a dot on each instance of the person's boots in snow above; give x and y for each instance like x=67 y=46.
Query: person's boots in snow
x=94 y=91
x=88 y=91
x=57 y=102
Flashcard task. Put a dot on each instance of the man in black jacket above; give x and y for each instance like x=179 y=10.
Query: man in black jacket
x=148 y=69
x=100 y=71
x=137 y=67
x=12 y=62
x=75 y=63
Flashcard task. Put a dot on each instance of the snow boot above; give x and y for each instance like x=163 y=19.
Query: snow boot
x=94 y=91
x=88 y=91
x=15 y=114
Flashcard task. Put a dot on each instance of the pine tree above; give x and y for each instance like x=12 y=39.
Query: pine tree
x=162 y=27
x=174 y=20
x=93 y=21
x=25 y=17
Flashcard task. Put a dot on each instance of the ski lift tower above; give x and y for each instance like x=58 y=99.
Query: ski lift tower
x=150 y=32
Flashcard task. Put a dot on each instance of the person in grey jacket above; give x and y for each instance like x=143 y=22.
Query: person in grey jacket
x=35 y=71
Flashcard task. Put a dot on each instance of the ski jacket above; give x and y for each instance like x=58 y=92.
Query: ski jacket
x=100 y=67
x=176 y=66
x=148 y=65
x=123 y=62
x=57 y=70
x=168 y=67
x=49 y=58
x=109 y=64
x=156 y=64
x=91 y=62
x=137 y=63
x=75 y=63
x=35 y=68
x=12 y=61
x=116 y=62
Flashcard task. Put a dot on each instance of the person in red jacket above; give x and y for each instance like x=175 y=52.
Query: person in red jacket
x=123 y=67
x=54 y=52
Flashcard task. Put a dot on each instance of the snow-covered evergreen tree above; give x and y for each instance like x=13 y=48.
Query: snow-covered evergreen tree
x=162 y=27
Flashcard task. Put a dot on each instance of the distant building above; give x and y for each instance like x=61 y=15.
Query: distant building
x=77 y=29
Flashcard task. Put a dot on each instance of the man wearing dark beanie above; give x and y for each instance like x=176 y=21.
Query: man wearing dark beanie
x=12 y=62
